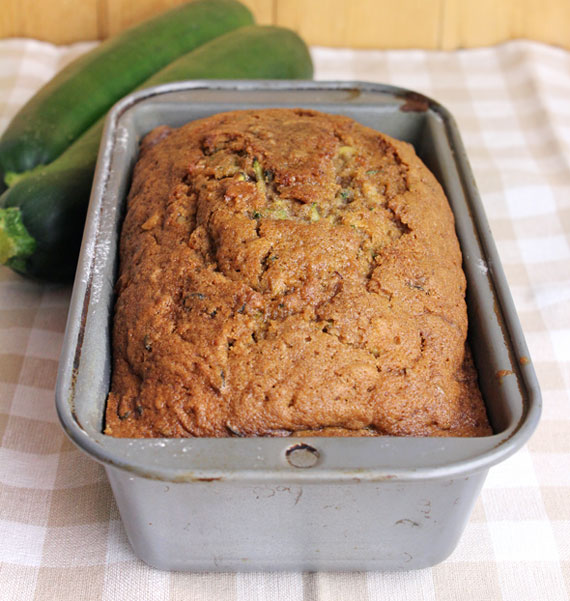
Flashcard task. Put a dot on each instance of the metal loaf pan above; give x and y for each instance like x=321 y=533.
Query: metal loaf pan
x=305 y=504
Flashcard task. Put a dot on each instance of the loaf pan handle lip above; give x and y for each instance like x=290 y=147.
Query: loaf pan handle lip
x=99 y=451
x=498 y=447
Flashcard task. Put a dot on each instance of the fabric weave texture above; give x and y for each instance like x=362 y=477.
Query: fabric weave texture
x=60 y=533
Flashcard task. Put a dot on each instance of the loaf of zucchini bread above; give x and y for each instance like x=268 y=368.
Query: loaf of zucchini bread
x=288 y=273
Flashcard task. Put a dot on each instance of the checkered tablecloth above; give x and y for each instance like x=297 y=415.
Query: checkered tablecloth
x=60 y=533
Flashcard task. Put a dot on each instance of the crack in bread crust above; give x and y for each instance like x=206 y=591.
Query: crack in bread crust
x=285 y=272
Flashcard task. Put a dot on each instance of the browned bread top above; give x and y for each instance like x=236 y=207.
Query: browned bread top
x=287 y=272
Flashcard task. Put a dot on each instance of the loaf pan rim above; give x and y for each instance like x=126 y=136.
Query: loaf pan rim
x=498 y=447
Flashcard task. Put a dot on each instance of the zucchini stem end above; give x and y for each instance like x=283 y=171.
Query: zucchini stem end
x=16 y=244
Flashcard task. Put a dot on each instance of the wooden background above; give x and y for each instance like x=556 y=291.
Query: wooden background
x=444 y=24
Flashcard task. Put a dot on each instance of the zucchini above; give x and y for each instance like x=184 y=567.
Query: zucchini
x=42 y=215
x=82 y=92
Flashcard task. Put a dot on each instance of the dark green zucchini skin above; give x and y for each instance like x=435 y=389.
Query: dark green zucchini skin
x=83 y=91
x=52 y=201
x=48 y=208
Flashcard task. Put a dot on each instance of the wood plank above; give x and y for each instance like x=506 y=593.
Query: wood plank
x=67 y=21
x=544 y=21
x=475 y=23
x=445 y=24
x=363 y=23
x=58 y=21
x=471 y=23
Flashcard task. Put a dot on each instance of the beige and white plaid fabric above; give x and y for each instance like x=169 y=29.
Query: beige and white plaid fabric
x=60 y=533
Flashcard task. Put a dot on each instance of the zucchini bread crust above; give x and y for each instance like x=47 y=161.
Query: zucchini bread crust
x=287 y=272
